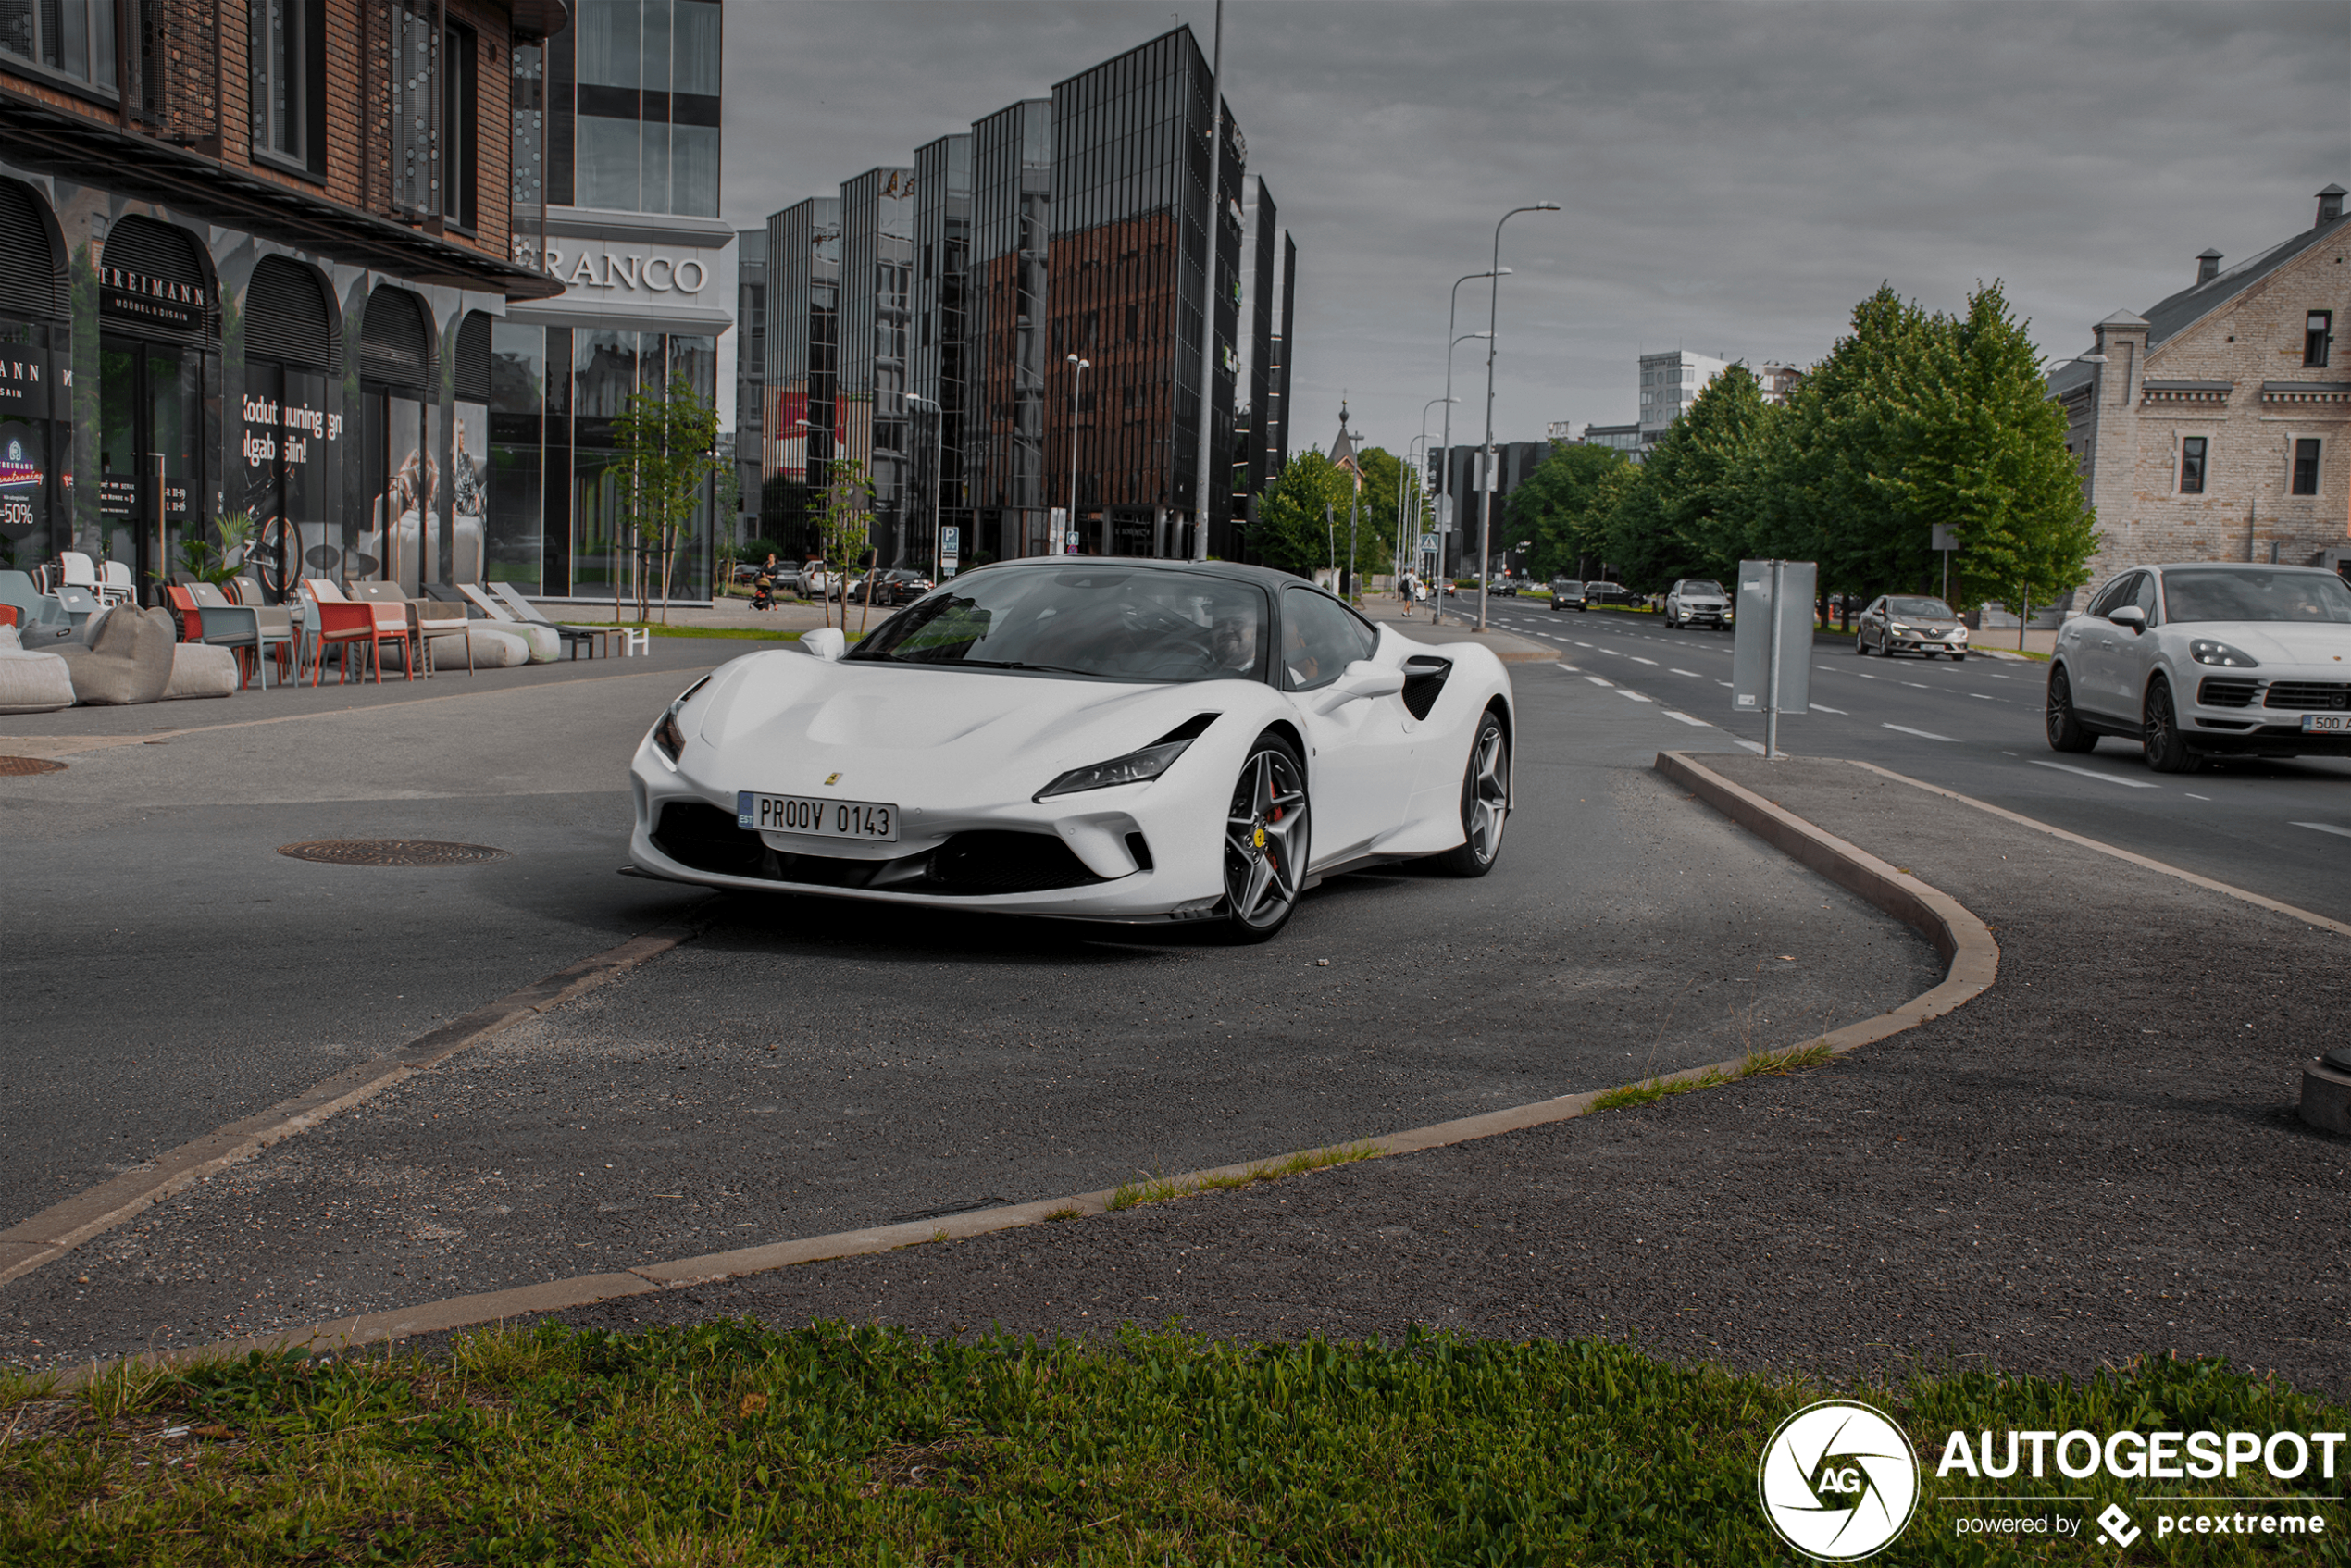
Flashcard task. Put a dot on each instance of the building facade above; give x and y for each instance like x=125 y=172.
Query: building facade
x=1059 y=230
x=2216 y=425
x=750 y=371
x=1670 y=383
x=796 y=412
x=620 y=206
x=1476 y=491
x=252 y=266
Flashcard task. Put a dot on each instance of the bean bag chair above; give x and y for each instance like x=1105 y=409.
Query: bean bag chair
x=495 y=647
x=127 y=659
x=201 y=671
x=546 y=643
x=32 y=682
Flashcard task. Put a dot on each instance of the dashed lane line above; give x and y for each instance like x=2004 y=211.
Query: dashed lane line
x=1925 y=734
x=2093 y=773
x=1624 y=692
x=1755 y=746
x=2320 y=827
x=1826 y=709
x=1691 y=673
x=1597 y=681
x=1639 y=660
x=1686 y=719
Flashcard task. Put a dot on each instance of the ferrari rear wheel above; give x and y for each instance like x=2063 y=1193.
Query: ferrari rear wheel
x=1266 y=842
x=1486 y=802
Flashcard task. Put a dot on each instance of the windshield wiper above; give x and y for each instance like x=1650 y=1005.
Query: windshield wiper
x=1022 y=664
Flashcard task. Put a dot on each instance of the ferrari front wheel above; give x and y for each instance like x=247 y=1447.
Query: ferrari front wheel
x=1266 y=842
x=1486 y=802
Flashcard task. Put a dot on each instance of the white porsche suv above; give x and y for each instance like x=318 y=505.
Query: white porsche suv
x=2206 y=658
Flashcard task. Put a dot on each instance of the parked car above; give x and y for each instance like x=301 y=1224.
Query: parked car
x=1910 y=623
x=900 y=586
x=1697 y=601
x=1566 y=592
x=2208 y=659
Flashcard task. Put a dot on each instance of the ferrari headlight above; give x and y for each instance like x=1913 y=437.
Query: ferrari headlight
x=2205 y=651
x=670 y=736
x=1135 y=767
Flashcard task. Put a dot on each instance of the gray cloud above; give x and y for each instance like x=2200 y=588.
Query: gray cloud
x=1735 y=177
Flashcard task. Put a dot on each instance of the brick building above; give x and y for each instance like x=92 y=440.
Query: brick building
x=2217 y=426
x=250 y=259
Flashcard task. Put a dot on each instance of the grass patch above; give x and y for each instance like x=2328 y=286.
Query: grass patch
x=729 y=1443
x=1155 y=1189
x=1754 y=1065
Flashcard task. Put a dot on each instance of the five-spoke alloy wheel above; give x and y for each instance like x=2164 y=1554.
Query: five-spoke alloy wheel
x=1486 y=802
x=1265 y=840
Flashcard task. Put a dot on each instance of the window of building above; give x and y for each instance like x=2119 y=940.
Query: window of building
x=2305 y=466
x=2318 y=333
x=2192 y=450
x=460 y=104
x=289 y=52
x=75 y=37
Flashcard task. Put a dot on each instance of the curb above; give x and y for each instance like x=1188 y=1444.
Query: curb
x=61 y=1228
x=1972 y=962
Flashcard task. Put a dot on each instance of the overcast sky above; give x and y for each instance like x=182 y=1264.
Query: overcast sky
x=1735 y=177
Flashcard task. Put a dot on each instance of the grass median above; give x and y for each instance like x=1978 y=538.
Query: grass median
x=729 y=1443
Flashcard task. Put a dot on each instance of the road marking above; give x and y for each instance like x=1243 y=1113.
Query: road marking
x=1613 y=653
x=1922 y=734
x=1634 y=696
x=1692 y=673
x=1915 y=686
x=2205 y=798
x=1688 y=720
x=1865 y=677
x=1826 y=709
x=2093 y=773
x=1597 y=681
x=1983 y=696
x=1751 y=745
x=1722 y=683
x=1639 y=660
x=2320 y=827
x=1583 y=644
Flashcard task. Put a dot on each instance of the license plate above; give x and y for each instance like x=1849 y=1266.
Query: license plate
x=2326 y=724
x=805 y=814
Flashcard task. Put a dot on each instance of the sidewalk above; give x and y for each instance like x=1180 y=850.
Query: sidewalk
x=1509 y=647
x=2098 y=1158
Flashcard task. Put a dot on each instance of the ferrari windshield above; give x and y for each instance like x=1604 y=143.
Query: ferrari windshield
x=2212 y=595
x=1115 y=622
x=1914 y=607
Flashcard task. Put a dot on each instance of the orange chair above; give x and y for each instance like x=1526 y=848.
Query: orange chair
x=388 y=622
x=336 y=621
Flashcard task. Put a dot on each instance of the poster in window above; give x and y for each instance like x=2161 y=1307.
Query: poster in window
x=23 y=484
x=469 y=493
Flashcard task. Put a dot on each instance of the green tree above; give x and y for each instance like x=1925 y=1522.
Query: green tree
x=845 y=527
x=1295 y=532
x=1561 y=510
x=1692 y=510
x=667 y=444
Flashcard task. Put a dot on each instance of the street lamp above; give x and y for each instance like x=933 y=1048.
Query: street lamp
x=1445 y=489
x=1075 y=381
x=1437 y=602
x=1425 y=408
x=939 y=440
x=1486 y=495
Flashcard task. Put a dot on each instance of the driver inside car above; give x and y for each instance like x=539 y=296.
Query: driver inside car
x=1234 y=640
x=1298 y=659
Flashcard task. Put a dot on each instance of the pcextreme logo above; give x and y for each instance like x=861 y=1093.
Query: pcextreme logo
x=1839 y=1481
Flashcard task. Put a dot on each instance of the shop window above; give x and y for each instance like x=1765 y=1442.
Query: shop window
x=73 y=37
x=289 y=55
x=2192 y=452
x=2305 y=466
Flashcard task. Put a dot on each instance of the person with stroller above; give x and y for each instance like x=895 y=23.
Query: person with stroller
x=763 y=596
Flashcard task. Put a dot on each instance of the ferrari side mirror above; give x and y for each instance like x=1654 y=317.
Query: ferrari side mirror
x=1364 y=678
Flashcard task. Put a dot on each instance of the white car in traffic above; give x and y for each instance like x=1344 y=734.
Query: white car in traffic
x=1106 y=739
x=2208 y=659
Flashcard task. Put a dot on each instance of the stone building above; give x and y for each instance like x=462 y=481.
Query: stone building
x=2217 y=426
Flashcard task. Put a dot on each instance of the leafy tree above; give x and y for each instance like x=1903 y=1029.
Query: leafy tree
x=667 y=451
x=1563 y=508
x=1295 y=531
x=1692 y=512
x=845 y=528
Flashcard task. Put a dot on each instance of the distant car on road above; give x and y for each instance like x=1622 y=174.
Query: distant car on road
x=900 y=585
x=1697 y=601
x=2208 y=659
x=1610 y=594
x=1910 y=623
x=1566 y=592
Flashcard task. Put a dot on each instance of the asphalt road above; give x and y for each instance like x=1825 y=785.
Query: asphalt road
x=802 y=1066
x=2282 y=829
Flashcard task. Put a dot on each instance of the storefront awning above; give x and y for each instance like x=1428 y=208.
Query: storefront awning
x=59 y=142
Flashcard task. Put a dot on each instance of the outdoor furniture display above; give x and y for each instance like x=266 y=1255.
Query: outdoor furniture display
x=258 y=628
x=114 y=586
x=37 y=617
x=76 y=569
x=32 y=682
x=127 y=659
x=545 y=641
x=488 y=646
x=332 y=619
x=202 y=669
x=395 y=622
x=530 y=614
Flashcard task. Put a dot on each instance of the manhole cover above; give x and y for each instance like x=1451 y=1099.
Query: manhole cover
x=10 y=767
x=393 y=852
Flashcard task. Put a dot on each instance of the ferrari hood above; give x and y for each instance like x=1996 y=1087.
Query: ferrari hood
x=793 y=716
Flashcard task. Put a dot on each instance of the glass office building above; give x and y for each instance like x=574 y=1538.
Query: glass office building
x=616 y=172
x=1076 y=225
